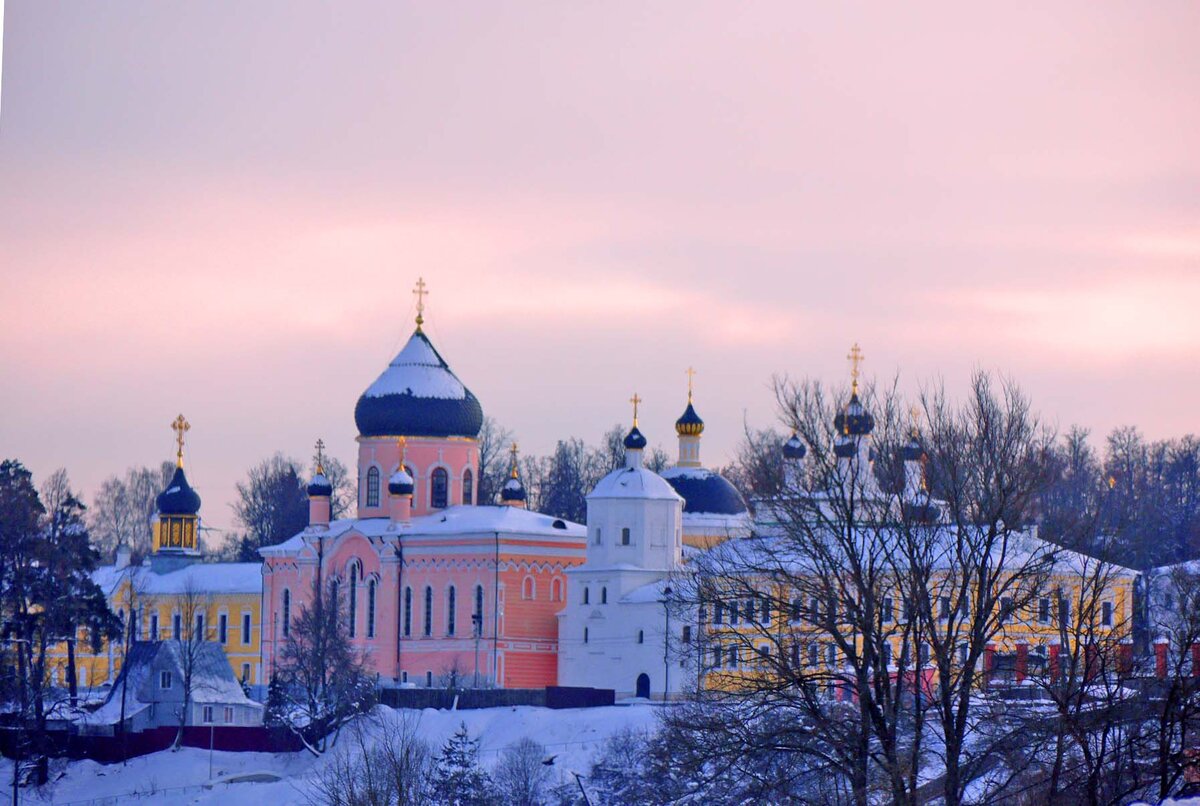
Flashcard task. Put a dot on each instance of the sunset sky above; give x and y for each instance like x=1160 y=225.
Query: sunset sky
x=220 y=208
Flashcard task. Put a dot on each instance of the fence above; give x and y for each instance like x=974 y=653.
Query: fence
x=469 y=699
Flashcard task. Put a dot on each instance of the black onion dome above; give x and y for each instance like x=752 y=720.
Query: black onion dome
x=418 y=396
x=513 y=490
x=705 y=492
x=179 y=498
x=911 y=452
x=854 y=420
x=690 y=424
x=319 y=486
x=844 y=447
x=794 y=448
x=634 y=440
x=401 y=483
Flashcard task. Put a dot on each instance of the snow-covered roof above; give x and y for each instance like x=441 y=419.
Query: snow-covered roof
x=634 y=482
x=704 y=491
x=650 y=593
x=458 y=520
x=199 y=577
x=419 y=371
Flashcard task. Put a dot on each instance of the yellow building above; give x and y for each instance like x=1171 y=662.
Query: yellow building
x=174 y=594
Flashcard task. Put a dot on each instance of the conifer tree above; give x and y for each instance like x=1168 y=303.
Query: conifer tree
x=460 y=781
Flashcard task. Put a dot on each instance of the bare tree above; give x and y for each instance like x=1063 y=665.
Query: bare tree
x=123 y=510
x=191 y=606
x=522 y=776
x=386 y=763
x=494 y=441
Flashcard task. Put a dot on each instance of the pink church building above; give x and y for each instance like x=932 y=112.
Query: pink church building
x=434 y=584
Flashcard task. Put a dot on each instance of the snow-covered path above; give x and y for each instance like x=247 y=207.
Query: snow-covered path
x=179 y=777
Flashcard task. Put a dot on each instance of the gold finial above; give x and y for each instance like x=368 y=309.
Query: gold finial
x=180 y=426
x=914 y=418
x=513 y=450
x=635 y=400
x=402 y=444
x=320 y=446
x=691 y=373
x=420 y=293
x=855 y=357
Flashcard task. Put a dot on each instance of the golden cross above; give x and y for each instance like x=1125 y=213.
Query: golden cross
x=513 y=451
x=420 y=293
x=320 y=446
x=635 y=400
x=180 y=427
x=855 y=357
x=402 y=444
x=914 y=416
x=691 y=373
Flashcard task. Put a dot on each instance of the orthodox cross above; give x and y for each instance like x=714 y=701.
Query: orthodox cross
x=855 y=357
x=420 y=293
x=691 y=373
x=402 y=444
x=180 y=427
x=635 y=400
x=320 y=446
x=513 y=450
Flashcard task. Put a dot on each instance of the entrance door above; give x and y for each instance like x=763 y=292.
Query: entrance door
x=643 y=685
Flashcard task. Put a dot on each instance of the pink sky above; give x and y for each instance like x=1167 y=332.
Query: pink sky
x=221 y=208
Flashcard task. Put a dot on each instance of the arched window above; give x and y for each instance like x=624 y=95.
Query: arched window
x=625 y=536
x=468 y=496
x=353 y=594
x=439 y=489
x=371 y=609
x=477 y=618
x=528 y=588
x=428 y=611
x=585 y=595
x=373 y=487
x=407 y=612
x=604 y=596
x=287 y=612
x=556 y=589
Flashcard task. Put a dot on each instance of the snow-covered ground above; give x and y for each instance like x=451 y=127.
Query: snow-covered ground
x=572 y=736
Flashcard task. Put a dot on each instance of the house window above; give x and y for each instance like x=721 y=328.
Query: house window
x=944 y=608
x=468 y=495
x=287 y=612
x=407 y=612
x=223 y=628
x=371 y=609
x=228 y=714
x=246 y=628
x=718 y=613
x=198 y=635
x=177 y=626
x=733 y=656
x=604 y=595
x=831 y=654
x=596 y=539
x=154 y=626
x=814 y=654
x=625 y=537
x=1106 y=611
x=923 y=654
x=429 y=679
x=439 y=488
x=687 y=634
x=208 y=714
x=641 y=636
x=428 y=611
x=1043 y=611
x=528 y=588
x=451 y=609
x=716 y=657
x=586 y=595
x=164 y=680
x=1064 y=612
x=373 y=487
x=888 y=610
x=477 y=618
x=353 y=599
x=797 y=610
x=556 y=588
x=585 y=635
x=245 y=672
x=887 y=654
x=733 y=613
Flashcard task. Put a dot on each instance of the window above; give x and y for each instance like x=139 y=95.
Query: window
x=468 y=495
x=228 y=714
x=1043 y=611
x=477 y=618
x=428 y=611
x=198 y=635
x=154 y=626
x=718 y=613
x=439 y=488
x=586 y=595
x=596 y=538
x=814 y=609
x=223 y=628
x=732 y=655
x=814 y=654
x=177 y=626
x=246 y=629
x=371 y=608
x=353 y=599
x=641 y=636
x=451 y=609
x=923 y=654
x=556 y=590
x=428 y=679
x=1064 y=612
x=164 y=680
x=373 y=487
x=717 y=653
x=585 y=635
x=944 y=607
x=962 y=653
x=1006 y=609
x=1106 y=611
x=625 y=537
x=733 y=613
x=287 y=612
x=687 y=634
x=831 y=654
x=528 y=588
x=797 y=610
x=766 y=612
x=245 y=672
x=887 y=653
x=604 y=596
x=407 y=612
x=888 y=610
x=208 y=714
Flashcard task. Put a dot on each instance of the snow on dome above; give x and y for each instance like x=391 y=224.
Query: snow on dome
x=634 y=482
x=513 y=490
x=705 y=492
x=418 y=395
x=320 y=486
x=401 y=483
